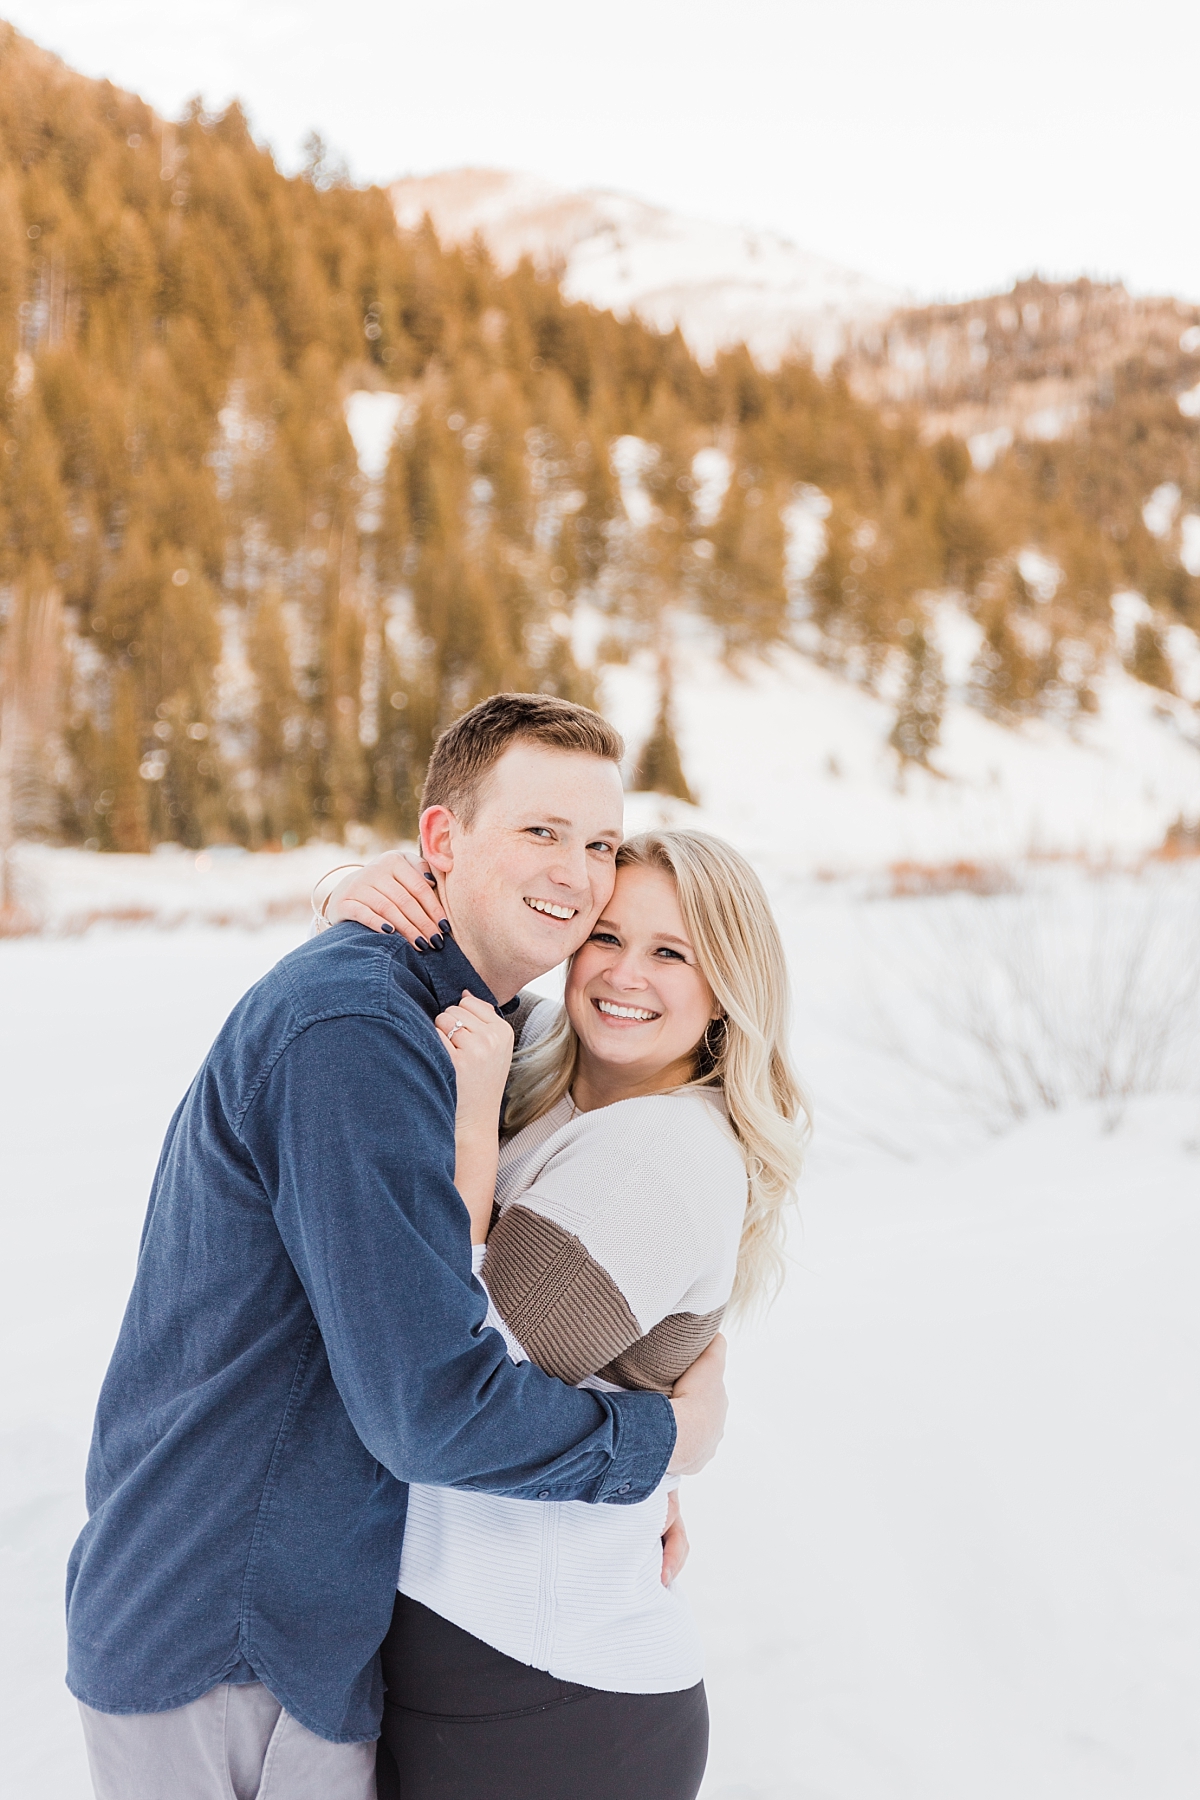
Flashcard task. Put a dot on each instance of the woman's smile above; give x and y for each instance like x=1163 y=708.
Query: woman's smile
x=621 y=1013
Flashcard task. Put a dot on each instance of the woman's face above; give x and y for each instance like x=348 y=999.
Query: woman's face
x=634 y=994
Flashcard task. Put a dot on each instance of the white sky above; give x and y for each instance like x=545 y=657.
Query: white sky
x=945 y=145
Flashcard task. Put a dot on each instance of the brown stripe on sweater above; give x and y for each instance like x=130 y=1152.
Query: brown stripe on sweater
x=561 y=1305
x=657 y=1360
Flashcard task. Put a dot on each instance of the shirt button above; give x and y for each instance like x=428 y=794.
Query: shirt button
x=545 y=1494
x=624 y=1487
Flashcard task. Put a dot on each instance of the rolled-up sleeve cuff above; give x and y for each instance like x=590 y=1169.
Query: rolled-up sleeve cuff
x=645 y=1443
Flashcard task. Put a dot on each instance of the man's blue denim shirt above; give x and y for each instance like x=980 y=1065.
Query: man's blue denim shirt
x=304 y=1338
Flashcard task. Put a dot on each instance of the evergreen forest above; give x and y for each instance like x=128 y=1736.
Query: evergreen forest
x=214 y=628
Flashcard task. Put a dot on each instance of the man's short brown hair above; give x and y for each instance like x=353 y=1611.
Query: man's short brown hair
x=471 y=747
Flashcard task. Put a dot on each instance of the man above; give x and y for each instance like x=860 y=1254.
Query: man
x=304 y=1337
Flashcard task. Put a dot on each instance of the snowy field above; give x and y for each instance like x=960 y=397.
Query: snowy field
x=948 y=1551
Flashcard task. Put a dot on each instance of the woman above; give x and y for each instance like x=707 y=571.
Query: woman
x=652 y=1139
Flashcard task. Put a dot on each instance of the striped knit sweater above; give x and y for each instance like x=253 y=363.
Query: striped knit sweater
x=610 y=1264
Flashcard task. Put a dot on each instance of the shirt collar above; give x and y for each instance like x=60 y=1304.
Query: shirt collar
x=446 y=972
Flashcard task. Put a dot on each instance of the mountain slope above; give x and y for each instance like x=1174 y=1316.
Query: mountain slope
x=1031 y=364
x=285 y=487
x=721 y=284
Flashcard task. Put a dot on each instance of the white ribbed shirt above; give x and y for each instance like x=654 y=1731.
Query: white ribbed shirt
x=564 y=1586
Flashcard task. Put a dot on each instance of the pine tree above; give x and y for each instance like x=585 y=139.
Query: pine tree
x=30 y=683
x=743 y=588
x=405 y=729
x=660 y=767
x=1007 y=677
x=280 y=813
x=14 y=248
x=1149 y=661
x=124 y=800
x=174 y=610
x=917 y=730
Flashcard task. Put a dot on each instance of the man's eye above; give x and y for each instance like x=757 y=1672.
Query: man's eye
x=540 y=831
x=604 y=849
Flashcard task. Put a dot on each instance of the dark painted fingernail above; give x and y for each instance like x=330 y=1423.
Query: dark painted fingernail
x=422 y=945
x=436 y=939
x=388 y=928
x=444 y=925
x=432 y=880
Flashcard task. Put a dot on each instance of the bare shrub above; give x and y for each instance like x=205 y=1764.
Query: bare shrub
x=17 y=921
x=914 y=880
x=1182 y=839
x=1083 y=989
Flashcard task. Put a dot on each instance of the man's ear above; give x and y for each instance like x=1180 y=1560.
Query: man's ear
x=437 y=841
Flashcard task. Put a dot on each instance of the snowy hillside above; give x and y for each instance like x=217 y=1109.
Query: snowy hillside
x=722 y=284
x=792 y=761
x=788 y=760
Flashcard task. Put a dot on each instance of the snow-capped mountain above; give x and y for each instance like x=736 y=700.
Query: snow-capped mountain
x=721 y=284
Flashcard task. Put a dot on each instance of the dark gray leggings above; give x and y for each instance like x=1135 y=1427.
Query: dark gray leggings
x=463 y=1722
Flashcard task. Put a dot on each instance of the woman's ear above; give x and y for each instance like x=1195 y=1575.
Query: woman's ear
x=437 y=842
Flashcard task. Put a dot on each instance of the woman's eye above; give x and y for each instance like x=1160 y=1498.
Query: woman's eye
x=603 y=937
x=664 y=950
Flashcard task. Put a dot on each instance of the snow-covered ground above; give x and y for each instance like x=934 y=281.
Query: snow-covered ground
x=948 y=1551
x=950 y=1547
x=67 y=891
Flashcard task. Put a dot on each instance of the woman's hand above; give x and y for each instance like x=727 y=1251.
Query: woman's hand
x=392 y=893
x=674 y=1541
x=480 y=1045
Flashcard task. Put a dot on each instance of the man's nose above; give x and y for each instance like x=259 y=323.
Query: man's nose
x=570 y=868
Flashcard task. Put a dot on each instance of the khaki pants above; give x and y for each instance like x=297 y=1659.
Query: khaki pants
x=234 y=1743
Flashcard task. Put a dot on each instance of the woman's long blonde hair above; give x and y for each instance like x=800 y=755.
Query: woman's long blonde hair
x=744 y=1053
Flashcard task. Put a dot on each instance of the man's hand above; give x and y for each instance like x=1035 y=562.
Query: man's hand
x=700 y=1404
x=674 y=1541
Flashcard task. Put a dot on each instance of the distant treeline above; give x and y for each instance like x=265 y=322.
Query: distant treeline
x=214 y=628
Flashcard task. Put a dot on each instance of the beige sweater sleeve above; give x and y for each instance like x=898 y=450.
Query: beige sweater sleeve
x=619 y=1256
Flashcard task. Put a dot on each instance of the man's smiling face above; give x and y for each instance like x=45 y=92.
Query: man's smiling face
x=524 y=883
